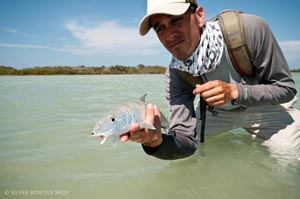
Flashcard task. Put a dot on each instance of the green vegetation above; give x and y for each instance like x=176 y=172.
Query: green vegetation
x=295 y=70
x=83 y=70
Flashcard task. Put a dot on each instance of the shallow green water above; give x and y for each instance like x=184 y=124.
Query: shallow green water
x=46 y=150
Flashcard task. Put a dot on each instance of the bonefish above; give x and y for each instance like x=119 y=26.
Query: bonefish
x=120 y=119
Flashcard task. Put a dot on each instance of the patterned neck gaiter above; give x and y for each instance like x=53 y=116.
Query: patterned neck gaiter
x=207 y=55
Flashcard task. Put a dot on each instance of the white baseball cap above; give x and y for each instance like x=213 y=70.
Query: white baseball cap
x=169 y=7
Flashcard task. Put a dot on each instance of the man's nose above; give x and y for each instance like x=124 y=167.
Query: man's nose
x=171 y=34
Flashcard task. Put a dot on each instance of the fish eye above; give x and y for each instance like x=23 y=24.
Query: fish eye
x=112 y=118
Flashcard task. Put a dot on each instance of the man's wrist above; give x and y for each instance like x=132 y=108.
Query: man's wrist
x=155 y=143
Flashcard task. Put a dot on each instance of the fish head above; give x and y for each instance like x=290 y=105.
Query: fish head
x=112 y=124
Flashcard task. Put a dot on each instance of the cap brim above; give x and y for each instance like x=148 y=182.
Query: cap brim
x=168 y=9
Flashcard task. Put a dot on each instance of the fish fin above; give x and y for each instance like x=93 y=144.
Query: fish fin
x=143 y=98
x=145 y=125
x=102 y=139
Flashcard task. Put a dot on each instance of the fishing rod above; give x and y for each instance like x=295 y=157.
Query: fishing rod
x=203 y=107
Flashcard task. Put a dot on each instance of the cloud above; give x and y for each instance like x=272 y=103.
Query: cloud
x=105 y=39
x=291 y=50
x=111 y=38
x=10 y=45
x=29 y=46
x=15 y=31
x=290 y=44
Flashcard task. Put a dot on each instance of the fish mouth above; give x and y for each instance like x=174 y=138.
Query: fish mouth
x=102 y=138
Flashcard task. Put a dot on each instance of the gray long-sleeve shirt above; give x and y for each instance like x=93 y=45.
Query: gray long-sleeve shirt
x=272 y=84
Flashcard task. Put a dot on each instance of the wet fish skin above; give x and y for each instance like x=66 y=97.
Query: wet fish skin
x=120 y=119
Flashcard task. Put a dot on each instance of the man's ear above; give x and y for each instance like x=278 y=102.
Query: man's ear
x=200 y=16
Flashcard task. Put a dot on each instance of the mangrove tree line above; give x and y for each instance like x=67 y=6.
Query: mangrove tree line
x=83 y=70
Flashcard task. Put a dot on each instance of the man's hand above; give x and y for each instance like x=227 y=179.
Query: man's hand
x=147 y=137
x=217 y=92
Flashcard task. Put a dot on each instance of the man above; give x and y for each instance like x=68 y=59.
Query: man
x=198 y=48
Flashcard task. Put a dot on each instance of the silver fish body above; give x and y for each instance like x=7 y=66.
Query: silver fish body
x=119 y=120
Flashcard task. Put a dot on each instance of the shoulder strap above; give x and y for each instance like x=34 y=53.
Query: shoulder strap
x=189 y=79
x=235 y=38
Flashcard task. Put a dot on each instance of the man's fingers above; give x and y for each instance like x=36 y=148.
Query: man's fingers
x=134 y=131
x=150 y=114
x=146 y=136
x=157 y=117
x=134 y=128
x=216 y=92
x=198 y=89
x=156 y=111
x=124 y=137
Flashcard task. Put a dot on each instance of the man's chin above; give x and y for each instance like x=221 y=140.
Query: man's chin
x=180 y=56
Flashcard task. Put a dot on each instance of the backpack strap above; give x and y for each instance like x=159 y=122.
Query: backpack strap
x=235 y=39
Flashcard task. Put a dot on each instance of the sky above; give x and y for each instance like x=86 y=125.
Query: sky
x=105 y=32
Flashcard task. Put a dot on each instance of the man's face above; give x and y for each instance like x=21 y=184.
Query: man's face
x=179 y=34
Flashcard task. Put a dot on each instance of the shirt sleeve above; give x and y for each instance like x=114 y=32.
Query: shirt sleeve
x=180 y=142
x=272 y=83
